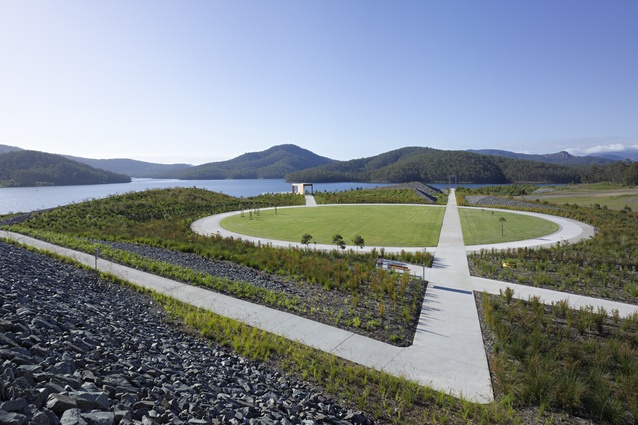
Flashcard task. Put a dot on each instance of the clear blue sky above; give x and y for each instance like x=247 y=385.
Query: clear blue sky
x=201 y=81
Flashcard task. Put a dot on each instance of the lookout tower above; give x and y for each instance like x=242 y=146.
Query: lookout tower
x=302 y=188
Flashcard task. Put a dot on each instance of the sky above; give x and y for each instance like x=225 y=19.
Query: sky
x=203 y=81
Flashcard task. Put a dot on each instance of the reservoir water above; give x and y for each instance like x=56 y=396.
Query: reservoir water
x=26 y=199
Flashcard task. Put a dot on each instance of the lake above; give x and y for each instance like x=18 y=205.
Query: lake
x=26 y=199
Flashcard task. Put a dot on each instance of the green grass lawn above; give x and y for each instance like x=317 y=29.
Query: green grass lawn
x=379 y=225
x=386 y=225
x=484 y=226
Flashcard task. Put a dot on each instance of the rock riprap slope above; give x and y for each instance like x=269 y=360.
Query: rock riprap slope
x=76 y=349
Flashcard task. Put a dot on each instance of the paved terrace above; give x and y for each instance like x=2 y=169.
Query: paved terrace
x=448 y=352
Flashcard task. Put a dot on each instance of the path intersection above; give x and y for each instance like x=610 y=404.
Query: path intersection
x=447 y=354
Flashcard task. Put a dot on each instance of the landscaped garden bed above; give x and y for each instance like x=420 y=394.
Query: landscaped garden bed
x=150 y=231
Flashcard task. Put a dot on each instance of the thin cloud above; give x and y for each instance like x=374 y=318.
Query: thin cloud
x=598 y=149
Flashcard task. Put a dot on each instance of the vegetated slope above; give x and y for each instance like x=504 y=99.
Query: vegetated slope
x=131 y=167
x=563 y=158
x=433 y=165
x=273 y=163
x=32 y=168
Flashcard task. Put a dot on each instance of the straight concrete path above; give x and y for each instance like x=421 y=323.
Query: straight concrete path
x=547 y=296
x=450 y=327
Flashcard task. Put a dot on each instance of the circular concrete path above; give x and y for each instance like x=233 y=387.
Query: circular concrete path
x=569 y=231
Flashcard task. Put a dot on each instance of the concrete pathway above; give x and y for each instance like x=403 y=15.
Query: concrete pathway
x=448 y=339
x=548 y=296
x=433 y=360
x=310 y=201
x=448 y=352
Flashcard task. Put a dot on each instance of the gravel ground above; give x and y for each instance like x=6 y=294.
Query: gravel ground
x=78 y=350
x=217 y=268
x=332 y=307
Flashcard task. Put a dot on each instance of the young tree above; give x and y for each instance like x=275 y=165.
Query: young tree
x=306 y=239
x=502 y=220
x=358 y=241
x=338 y=240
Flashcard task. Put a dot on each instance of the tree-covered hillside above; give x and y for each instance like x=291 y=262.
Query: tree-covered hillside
x=131 y=167
x=273 y=163
x=561 y=158
x=432 y=165
x=31 y=168
x=7 y=148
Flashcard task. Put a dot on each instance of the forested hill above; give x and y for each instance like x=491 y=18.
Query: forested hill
x=131 y=167
x=7 y=148
x=273 y=163
x=433 y=165
x=561 y=158
x=32 y=168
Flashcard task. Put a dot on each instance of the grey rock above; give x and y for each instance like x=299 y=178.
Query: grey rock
x=15 y=405
x=66 y=367
x=86 y=345
x=40 y=418
x=72 y=417
x=12 y=418
x=99 y=418
x=90 y=400
x=60 y=403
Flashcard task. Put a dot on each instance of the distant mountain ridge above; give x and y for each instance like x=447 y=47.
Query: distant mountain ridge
x=629 y=154
x=564 y=158
x=131 y=167
x=424 y=164
x=433 y=165
x=273 y=163
x=33 y=168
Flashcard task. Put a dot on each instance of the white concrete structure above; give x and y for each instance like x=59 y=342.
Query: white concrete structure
x=301 y=188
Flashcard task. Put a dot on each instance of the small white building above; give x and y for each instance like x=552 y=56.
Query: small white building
x=301 y=188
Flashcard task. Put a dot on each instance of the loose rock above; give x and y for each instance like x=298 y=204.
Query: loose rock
x=79 y=350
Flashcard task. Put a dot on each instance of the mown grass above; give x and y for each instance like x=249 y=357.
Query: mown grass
x=482 y=226
x=379 y=225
